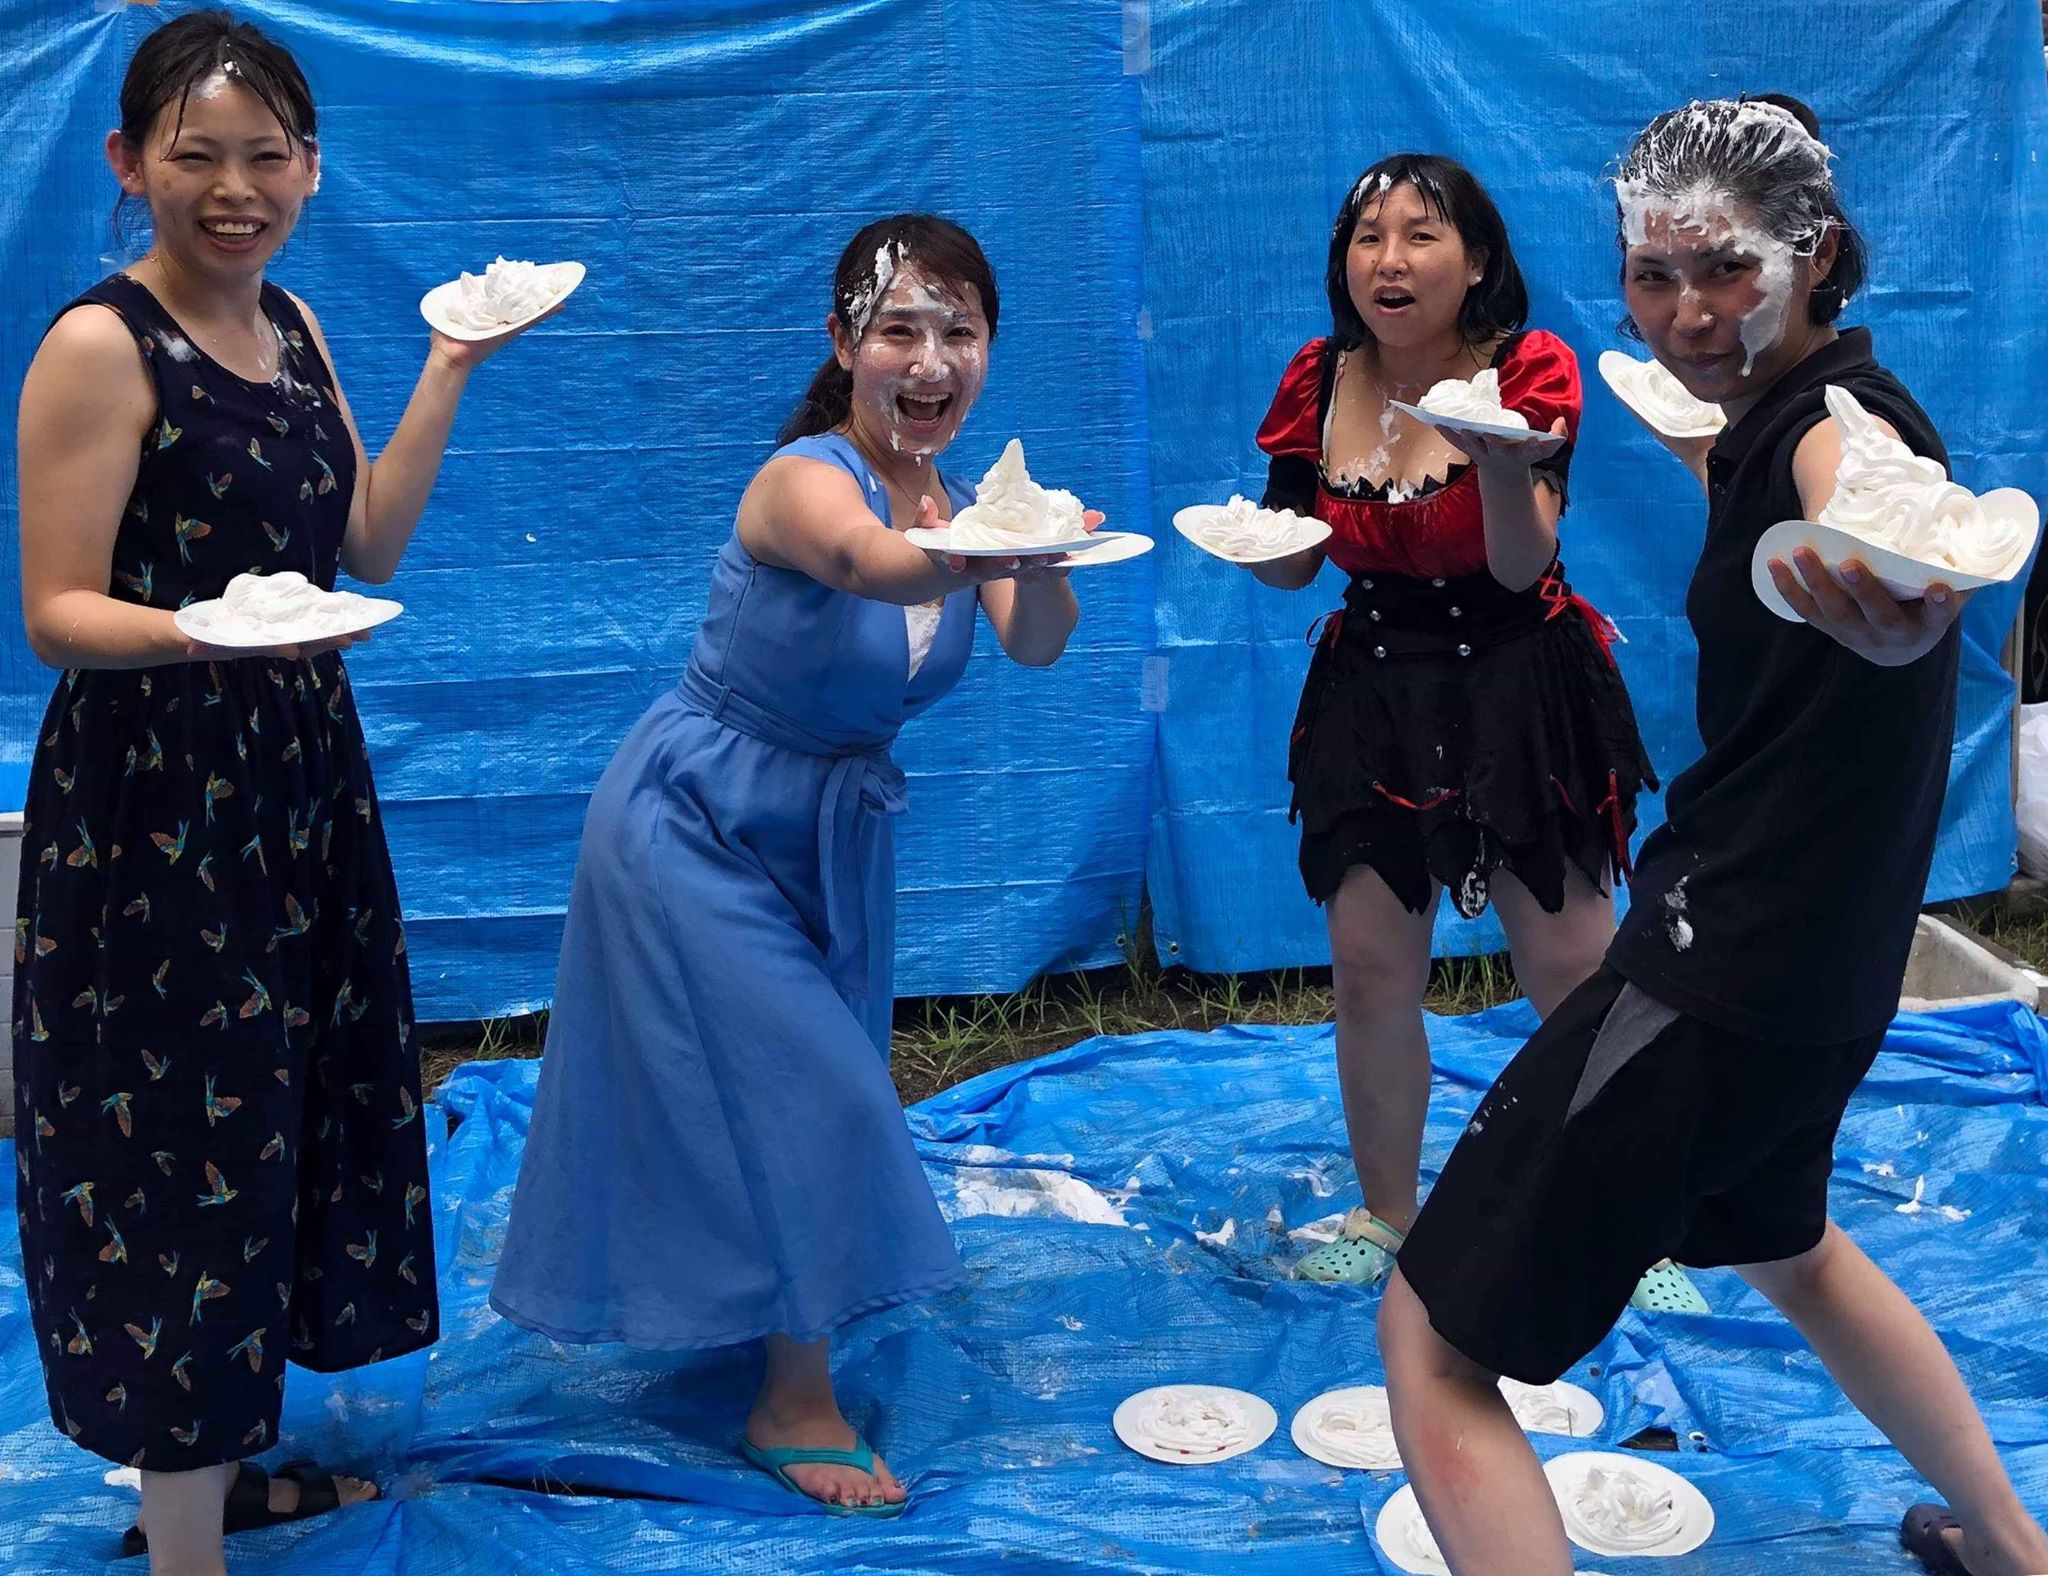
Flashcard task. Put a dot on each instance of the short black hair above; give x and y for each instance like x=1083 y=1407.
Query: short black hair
x=1773 y=164
x=1497 y=305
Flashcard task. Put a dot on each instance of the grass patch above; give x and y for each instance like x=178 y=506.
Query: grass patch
x=2024 y=935
x=943 y=1040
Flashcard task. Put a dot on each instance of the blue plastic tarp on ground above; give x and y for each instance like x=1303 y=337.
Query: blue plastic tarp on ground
x=1124 y=1208
x=1257 y=118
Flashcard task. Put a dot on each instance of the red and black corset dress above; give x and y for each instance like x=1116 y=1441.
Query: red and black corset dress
x=1451 y=727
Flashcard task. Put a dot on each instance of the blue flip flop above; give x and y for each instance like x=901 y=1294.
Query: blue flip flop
x=777 y=1462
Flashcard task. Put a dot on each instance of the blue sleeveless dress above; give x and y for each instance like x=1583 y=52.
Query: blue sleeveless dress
x=716 y=1151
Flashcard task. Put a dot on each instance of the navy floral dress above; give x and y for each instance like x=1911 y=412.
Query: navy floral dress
x=217 y=1101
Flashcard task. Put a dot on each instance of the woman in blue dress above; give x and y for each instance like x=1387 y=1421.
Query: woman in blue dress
x=717 y=1154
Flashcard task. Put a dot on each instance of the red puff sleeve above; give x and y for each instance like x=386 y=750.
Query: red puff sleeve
x=1539 y=377
x=1293 y=424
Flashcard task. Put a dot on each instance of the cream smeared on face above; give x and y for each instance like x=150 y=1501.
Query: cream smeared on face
x=920 y=361
x=1708 y=274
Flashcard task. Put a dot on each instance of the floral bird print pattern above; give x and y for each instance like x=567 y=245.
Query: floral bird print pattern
x=209 y=959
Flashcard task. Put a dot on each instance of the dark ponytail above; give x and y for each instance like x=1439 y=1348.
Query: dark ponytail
x=941 y=250
x=826 y=403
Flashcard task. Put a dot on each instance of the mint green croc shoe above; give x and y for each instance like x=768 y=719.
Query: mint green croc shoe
x=1362 y=1255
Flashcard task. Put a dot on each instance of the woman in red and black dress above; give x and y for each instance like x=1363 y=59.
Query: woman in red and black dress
x=1463 y=725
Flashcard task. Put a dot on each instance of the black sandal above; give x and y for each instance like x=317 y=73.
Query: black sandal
x=247 y=1506
x=1921 y=1535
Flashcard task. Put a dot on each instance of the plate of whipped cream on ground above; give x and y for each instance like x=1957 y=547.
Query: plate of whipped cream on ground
x=259 y=612
x=507 y=295
x=1194 y=1424
x=1899 y=513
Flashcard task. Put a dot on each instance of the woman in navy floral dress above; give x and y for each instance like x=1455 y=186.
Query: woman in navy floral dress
x=221 y=1157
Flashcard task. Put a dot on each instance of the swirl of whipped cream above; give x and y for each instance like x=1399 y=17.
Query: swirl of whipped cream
x=1354 y=1428
x=505 y=292
x=1622 y=1513
x=1539 y=1408
x=1012 y=510
x=1472 y=399
x=281 y=607
x=1665 y=403
x=1986 y=541
x=286 y=597
x=1192 y=1423
x=1246 y=528
x=1887 y=495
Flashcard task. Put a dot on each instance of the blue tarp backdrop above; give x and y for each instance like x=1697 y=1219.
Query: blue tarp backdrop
x=1154 y=183
x=1124 y=1208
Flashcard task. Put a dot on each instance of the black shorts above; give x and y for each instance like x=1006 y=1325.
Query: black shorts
x=1623 y=1133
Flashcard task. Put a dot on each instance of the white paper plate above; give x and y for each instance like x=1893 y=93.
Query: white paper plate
x=1694 y=1518
x=1404 y=1537
x=1367 y=1449
x=1191 y=521
x=1626 y=375
x=1551 y=442
x=1260 y=1420
x=940 y=540
x=198 y=621
x=1109 y=547
x=434 y=304
x=1535 y=1405
x=1906 y=578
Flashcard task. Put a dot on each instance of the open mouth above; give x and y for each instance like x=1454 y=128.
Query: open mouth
x=234 y=234
x=922 y=411
x=1391 y=300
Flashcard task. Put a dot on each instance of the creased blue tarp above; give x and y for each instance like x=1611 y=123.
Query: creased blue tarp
x=707 y=161
x=1257 y=118
x=1124 y=1208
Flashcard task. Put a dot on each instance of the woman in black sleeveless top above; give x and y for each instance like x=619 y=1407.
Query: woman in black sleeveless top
x=1685 y=1100
x=217 y=1094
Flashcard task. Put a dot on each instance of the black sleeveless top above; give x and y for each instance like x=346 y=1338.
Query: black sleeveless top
x=1779 y=899
x=235 y=476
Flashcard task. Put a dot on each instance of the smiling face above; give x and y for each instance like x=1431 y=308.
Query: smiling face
x=223 y=181
x=1408 y=269
x=1721 y=304
x=918 y=363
